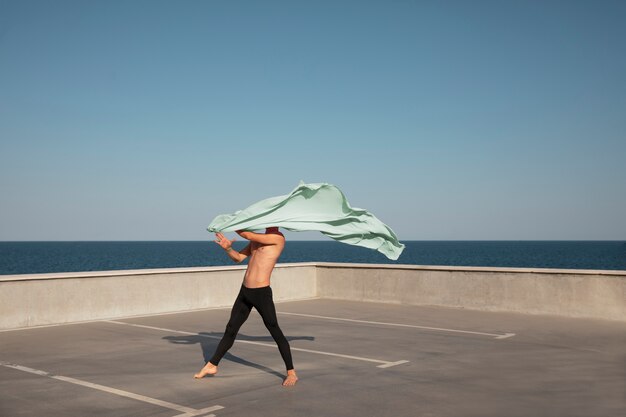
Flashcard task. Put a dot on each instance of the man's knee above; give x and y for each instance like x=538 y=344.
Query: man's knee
x=271 y=323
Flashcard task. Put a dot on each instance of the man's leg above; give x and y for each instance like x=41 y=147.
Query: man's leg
x=238 y=315
x=262 y=300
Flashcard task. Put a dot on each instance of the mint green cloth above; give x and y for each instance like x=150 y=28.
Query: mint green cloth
x=321 y=207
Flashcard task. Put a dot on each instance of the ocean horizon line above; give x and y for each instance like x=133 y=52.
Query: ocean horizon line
x=312 y=240
x=82 y=255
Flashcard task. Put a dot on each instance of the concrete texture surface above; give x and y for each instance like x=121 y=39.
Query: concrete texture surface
x=349 y=356
x=570 y=293
x=41 y=299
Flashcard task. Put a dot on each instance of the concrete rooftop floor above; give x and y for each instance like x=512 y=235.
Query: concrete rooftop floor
x=350 y=363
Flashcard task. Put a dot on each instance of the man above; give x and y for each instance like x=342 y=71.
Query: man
x=263 y=250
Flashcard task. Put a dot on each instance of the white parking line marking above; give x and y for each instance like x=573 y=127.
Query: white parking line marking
x=188 y=411
x=201 y=412
x=494 y=335
x=390 y=364
x=383 y=364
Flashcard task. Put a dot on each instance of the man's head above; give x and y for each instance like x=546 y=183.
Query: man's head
x=272 y=231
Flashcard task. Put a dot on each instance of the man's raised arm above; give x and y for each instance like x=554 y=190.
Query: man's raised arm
x=264 y=239
x=227 y=245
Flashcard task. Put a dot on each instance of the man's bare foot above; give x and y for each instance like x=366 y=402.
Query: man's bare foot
x=209 y=369
x=291 y=379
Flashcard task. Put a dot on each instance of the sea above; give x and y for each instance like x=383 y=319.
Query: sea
x=48 y=257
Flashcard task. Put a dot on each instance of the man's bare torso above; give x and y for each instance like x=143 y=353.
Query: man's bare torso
x=263 y=258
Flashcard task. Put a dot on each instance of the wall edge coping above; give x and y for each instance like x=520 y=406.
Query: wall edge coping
x=158 y=271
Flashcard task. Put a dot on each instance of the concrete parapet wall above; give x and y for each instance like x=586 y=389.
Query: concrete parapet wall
x=571 y=293
x=42 y=299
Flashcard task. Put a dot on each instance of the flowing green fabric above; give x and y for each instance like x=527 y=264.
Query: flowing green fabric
x=321 y=207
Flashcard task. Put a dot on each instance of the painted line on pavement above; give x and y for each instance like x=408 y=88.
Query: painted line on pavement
x=187 y=411
x=494 y=335
x=383 y=364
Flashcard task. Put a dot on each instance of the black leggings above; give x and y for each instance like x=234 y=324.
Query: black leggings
x=261 y=299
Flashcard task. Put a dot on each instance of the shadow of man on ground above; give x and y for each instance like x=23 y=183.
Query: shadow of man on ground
x=208 y=343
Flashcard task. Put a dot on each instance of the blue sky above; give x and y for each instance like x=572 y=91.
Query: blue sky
x=142 y=120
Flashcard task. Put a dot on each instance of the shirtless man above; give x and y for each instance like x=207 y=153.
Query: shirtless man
x=263 y=250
